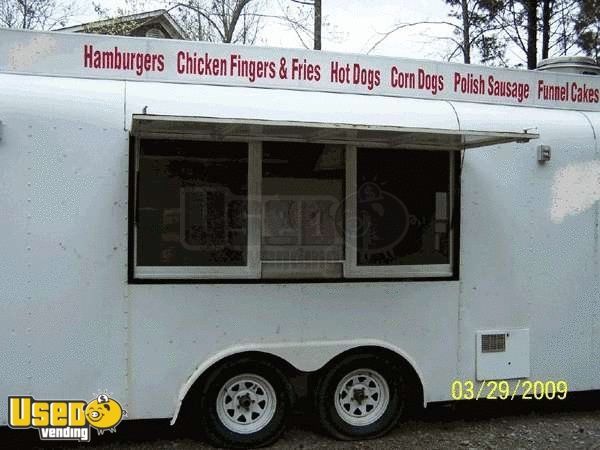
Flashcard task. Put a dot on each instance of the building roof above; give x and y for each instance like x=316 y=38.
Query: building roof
x=140 y=20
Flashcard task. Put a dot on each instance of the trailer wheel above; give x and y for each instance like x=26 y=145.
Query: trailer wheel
x=361 y=397
x=245 y=404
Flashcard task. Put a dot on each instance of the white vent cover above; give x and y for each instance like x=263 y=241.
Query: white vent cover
x=502 y=354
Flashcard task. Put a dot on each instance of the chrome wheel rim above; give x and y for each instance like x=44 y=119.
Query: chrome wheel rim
x=361 y=397
x=246 y=403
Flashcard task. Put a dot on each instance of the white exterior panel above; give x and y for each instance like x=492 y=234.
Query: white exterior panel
x=591 y=194
x=285 y=105
x=63 y=241
x=523 y=265
x=176 y=328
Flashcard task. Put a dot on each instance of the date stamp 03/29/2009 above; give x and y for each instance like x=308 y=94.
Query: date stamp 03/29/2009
x=504 y=390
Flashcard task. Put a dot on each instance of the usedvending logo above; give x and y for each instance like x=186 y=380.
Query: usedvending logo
x=58 y=420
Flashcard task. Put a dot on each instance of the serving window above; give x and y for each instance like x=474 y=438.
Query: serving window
x=273 y=210
x=302 y=210
x=192 y=209
x=399 y=213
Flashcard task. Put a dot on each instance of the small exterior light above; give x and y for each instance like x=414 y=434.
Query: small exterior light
x=543 y=153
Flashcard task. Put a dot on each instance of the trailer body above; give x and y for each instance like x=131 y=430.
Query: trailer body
x=78 y=318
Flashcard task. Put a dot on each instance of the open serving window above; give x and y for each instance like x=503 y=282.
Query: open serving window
x=271 y=200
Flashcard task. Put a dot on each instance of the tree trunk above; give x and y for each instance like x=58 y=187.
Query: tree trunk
x=466 y=32
x=546 y=16
x=531 y=34
x=25 y=7
x=317 y=31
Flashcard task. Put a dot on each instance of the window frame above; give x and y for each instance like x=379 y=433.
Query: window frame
x=333 y=263
x=252 y=268
x=351 y=267
x=252 y=272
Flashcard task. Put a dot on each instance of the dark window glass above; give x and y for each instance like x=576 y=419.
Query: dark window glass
x=402 y=209
x=192 y=203
x=303 y=189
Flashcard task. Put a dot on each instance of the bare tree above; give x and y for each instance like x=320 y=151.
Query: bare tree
x=475 y=30
x=491 y=27
x=232 y=21
x=546 y=16
x=561 y=27
x=194 y=23
x=531 y=8
x=521 y=24
x=470 y=29
x=466 y=31
x=35 y=14
x=306 y=23
x=318 y=24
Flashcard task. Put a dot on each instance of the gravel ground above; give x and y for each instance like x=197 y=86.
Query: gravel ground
x=574 y=423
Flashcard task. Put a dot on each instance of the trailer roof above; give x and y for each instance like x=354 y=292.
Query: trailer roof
x=144 y=59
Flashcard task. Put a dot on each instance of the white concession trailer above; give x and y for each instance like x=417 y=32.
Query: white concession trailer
x=190 y=225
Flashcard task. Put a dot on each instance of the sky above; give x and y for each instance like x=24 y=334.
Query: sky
x=354 y=26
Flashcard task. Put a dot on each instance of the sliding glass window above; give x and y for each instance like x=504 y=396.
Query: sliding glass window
x=290 y=210
x=192 y=209
x=398 y=215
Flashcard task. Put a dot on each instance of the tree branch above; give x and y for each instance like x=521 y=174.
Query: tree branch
x=202 y=13
x=407 y=25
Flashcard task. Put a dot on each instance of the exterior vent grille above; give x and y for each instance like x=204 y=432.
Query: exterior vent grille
x=155 y=33
x=493 y=343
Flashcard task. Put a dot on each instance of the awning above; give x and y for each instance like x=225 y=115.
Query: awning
x=212 y=128
x=223 y=112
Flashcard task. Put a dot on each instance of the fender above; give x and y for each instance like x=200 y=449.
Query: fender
x=305 y=356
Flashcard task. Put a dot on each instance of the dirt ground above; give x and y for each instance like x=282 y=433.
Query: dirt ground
x=520 y=424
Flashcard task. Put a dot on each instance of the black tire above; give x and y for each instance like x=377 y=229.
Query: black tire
x=325 y=397
x=216 y=432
